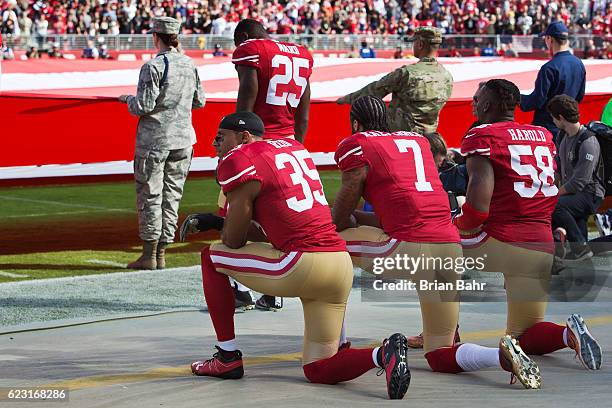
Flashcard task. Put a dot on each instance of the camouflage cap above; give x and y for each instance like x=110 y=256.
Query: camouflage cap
x=165 y=25
x=428 y=34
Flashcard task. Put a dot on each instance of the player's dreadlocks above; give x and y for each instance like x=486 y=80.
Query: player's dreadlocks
x=371 y=113
x=507 y=93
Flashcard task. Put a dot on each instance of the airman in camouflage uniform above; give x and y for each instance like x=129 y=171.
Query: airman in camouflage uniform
x=418 y=91
x=168 y=89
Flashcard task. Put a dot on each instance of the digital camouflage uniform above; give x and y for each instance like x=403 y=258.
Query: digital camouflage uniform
x=418 y=91
x=165 y=136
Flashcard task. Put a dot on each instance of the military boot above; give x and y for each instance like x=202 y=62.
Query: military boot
x=147 y=259
x=161 y=255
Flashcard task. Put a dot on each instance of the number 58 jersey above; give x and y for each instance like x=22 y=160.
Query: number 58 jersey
x=525 y=195
x=291 y=207
x=283 y=70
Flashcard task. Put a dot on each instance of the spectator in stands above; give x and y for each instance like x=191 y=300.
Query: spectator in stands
x=54 y=51
x=32 y=53
x=103 y=52
x=399 y=52
x=581 y=177
x=509 y=52
x=366 y=51
x=6 y=53
x=90 y=51
x=218 y=52
x=590 y=52
x=454 y=53
x=488 y=51
x=564 y=74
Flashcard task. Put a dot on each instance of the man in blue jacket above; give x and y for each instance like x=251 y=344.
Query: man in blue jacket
x=564 y=74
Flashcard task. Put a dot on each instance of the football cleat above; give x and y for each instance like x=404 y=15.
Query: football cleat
x=220 y=365
x=587 y=349
x=514 y=360
x=199 y=223
x=243 y=299
x=559 y=237
x=395 y=364
x=267 y=303
x=604 y=224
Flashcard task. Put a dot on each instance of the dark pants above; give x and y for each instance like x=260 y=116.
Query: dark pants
x=572 y=212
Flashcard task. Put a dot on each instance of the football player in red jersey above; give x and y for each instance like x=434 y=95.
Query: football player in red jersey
x=274 y=80
x=274 y=84
x=273 y=188
x=510 y=199
x=396 y=172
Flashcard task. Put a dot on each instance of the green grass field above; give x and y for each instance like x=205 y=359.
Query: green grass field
x=80 y=229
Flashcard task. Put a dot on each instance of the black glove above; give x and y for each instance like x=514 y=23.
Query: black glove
x=209 y=221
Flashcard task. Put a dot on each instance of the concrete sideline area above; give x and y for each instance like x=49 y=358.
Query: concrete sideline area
x=145 y=361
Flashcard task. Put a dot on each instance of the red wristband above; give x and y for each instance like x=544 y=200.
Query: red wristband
x=470 y=218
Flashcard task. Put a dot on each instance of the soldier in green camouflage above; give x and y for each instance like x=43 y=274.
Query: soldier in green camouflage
x=418 y=91
x=168 y=89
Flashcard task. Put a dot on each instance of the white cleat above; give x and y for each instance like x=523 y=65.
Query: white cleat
x=587 y=349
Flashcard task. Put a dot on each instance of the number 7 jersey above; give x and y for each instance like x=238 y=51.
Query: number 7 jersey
x=525 y=195
x=402 y=184
x=283 y=70
x=291 y=207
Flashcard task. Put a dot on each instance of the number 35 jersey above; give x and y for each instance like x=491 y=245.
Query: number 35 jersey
x=402 y=184
x=283 y=70
x=291 y=207
x=525 y=194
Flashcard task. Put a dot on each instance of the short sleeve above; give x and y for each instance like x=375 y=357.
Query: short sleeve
x=235 y=168
x=247 y=54
x=477 y=142
x=349 y=154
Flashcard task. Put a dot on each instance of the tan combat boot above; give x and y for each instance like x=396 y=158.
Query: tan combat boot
x=161 y=255
x=148 y=258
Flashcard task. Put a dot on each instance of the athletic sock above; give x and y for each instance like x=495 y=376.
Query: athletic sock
x=229 y=345
x=219 y=299
x=343 y=338
x=543 y=338
x=443 y=360
x=472 y=357
x=345 y=365
x=377 y=357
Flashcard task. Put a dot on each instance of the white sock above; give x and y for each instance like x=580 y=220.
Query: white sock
x=230 y=345
x=472 y=357
x=375 y=357
x=565 y=337
x=240 y=287
x=343 y=333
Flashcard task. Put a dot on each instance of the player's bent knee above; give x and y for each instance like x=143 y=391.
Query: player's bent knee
x=442 y=360
x=314 y=373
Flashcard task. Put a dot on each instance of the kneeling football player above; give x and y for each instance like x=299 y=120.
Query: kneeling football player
x=510 y=199
x=397 y=174
x=273 y=186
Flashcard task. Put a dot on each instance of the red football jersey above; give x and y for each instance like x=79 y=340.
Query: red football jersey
x=403 y=184
x=525 y=194
x=291 y=207
x=283 y=70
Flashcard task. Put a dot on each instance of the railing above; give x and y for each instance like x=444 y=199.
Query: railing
x=135 y=42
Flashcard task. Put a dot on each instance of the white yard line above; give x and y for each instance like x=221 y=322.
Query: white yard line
x=103 y=262
x=13 y=275
x=93 y=207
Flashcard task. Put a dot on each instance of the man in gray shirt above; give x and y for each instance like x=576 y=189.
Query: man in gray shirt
x=580 y=172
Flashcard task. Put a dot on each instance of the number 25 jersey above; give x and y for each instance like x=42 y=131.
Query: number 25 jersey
x=525 y=194
x=283 y=70
x=291 y=207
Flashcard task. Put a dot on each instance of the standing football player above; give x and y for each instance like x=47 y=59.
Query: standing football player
x=510 y=199
x=396 y=172
x=274 y=184
x=274 y=84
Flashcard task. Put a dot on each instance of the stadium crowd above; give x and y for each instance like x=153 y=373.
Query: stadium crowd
x=39 y=18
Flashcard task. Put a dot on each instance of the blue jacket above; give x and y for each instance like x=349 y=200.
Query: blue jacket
x=563 y=74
